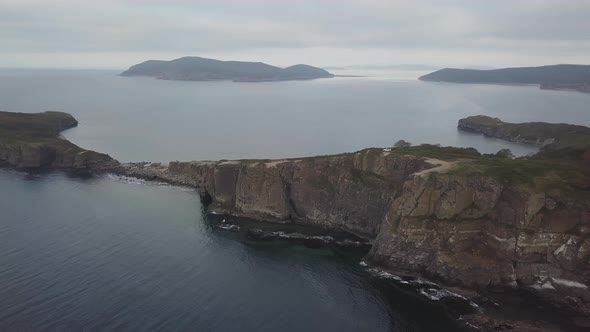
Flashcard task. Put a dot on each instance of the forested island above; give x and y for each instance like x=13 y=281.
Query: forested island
x=203 y=69
x=552 y=77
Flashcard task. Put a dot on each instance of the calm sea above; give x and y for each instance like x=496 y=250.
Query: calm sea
x=144 y=119
x=103 y=253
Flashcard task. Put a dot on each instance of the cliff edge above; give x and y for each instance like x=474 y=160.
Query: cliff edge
x=473 y=221
x=31 y=140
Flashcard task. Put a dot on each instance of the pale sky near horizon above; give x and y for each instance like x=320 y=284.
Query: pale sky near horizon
x=458 y=33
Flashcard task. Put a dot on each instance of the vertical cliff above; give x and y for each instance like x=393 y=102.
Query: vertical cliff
x=350 y=191
x=471 y=221
x=477 y=232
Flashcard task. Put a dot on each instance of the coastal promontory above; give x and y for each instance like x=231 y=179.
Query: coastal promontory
x=473 y=221
x=31 y=140
x=552 y=77
x=549 y=136
x=203 y=69
x=484 y=225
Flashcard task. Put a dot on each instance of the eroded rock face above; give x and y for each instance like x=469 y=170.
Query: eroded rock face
x=470 y=231
x=477 y=232
x=62 y=155
x=350 y=191
x=30 y=140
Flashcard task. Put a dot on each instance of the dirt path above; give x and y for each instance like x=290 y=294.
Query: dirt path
x=441 y=166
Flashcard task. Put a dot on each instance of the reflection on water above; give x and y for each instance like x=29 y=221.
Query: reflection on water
x=136 y=118
x=102 y=253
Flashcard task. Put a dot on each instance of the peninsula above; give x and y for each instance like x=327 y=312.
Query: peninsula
x=203 y=69
x=552 y=77
x=31 y=140
x=482 y=225
x=550 y=136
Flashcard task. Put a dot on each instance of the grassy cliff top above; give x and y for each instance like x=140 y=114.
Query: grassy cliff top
x=34 y=125
x=565 y=135
x=540 y=173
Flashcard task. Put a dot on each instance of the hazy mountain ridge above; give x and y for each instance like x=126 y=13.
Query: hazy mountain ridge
x=203 y=69
x=563 y=76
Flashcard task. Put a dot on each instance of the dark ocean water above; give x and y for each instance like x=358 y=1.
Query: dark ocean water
x=103 y=253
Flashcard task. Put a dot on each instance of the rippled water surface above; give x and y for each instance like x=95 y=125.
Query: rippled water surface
x=102 y=253
x=106 y=254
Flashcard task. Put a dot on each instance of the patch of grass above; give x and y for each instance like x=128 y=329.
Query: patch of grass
x=539 y=174
x=47 y=124
x=447 y=153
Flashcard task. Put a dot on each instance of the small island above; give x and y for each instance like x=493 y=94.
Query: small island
x=31 y=140
x=203 y=69
x=552 y=77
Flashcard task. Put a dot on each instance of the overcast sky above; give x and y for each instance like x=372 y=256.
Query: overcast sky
x=119 y=33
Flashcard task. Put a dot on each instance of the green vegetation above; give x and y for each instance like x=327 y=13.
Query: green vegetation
x=552 y=135
x=31 y=140
x=28 y=125
x=545 y=174
x=447 y=153
x=539 y=174
x=36 y=129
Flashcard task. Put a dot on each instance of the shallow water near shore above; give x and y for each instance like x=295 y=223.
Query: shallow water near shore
x=102 y=253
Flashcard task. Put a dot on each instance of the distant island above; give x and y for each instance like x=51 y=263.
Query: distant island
x=553 y=77
x=203 y=69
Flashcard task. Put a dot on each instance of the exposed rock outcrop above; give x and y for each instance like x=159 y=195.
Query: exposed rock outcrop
x=550 y=136
x=349 y=191
x=469 y=229
x=481 y=233
x=30 y=140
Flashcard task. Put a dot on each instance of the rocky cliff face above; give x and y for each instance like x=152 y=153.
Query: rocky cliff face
x=30 y=140
x=350 y=191
x=480 y=233
x=550 y=136
x=54 y=154
x=473 y=231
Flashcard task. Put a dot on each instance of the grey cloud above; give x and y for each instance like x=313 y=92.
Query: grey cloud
x=553 y=28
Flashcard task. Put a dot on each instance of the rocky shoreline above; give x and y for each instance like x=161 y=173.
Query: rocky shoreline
x=32 y=141
x=549 y=136
x=468 y=231
x=481 y=224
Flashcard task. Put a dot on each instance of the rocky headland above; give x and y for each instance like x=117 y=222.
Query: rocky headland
x=482 y=225
x=549 y=136
x=476 y=222
x=32 y=141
